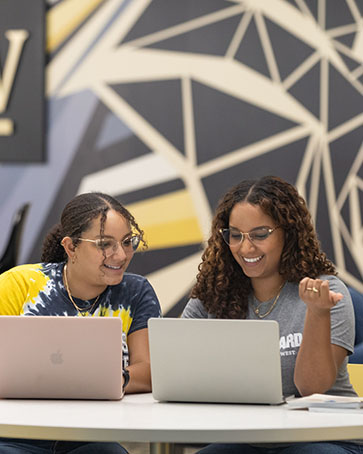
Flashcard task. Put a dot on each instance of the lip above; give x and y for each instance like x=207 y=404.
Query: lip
x=252 y=261
x=114 y=268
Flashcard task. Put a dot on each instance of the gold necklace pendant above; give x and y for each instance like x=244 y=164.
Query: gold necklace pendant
x=257 y=311
x=82 y=312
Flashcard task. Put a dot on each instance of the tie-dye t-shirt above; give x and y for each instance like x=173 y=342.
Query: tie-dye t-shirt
x=39 y=290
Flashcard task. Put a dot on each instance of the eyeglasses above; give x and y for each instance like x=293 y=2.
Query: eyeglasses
x=109 y=246
x=233 y=237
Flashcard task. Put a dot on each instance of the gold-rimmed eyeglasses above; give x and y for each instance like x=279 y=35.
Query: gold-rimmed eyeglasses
x=109 y=246
x=234 y=237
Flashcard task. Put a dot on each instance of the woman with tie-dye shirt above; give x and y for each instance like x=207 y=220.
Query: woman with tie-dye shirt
x=82 y=273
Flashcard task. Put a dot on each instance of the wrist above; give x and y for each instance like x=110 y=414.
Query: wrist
x=315 y=312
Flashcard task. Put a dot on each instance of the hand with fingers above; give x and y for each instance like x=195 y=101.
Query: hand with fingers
x=316 y=294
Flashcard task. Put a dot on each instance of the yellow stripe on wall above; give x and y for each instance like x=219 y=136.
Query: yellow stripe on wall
x=64 y=18
x=168 y=220
x=173 y=234
x=165 y=208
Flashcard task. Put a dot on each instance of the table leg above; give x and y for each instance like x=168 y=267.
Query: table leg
x=161 y=448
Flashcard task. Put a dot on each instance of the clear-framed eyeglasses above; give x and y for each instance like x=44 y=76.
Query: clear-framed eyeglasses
x=234 y=237
x=109 y=246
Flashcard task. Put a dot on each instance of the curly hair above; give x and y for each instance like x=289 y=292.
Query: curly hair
x=77 y=217
x=221 y=284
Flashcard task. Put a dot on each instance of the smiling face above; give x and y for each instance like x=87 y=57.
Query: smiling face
x=259 y=260
x=91 y=269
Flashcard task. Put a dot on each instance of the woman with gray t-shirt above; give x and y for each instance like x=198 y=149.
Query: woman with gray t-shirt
x=263 y=261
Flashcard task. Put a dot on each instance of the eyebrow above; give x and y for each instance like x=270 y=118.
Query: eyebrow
x=255 y=228
x=98 y=237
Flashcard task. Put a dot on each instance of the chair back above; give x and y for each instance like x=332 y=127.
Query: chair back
x=356 y=377
x=10 y=256
x=357 y=299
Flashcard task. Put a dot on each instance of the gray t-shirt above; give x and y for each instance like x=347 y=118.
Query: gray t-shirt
x=289 y=312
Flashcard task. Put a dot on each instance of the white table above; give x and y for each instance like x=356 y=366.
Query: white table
x=138 y=418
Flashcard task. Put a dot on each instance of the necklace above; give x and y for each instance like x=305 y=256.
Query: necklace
x=80 y=311
x=257 y=310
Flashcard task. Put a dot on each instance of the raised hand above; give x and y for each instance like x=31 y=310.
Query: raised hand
x=316 y=294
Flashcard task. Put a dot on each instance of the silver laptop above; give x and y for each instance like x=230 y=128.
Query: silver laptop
x=60 y=357
x=209 y=360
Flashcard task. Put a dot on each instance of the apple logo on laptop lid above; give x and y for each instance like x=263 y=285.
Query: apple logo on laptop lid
x=56 y=358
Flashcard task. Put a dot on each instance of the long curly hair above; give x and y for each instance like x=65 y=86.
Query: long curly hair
x=77 y=217
x=221 y=283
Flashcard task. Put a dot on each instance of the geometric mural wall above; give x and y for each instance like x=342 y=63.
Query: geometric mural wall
x=166 y=104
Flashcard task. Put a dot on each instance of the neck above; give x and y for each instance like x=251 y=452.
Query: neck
x=267 y=289
x=77 y=288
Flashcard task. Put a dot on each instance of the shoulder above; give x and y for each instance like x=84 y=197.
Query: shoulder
x=336 y=284
x=25 y=272
x=37 y=275
x=24 y=269
x=136 y=290
x=133 y=283
x=27 y=284
x=194 y=309
x=134 y=279
x=139 y=300
x=344 y=307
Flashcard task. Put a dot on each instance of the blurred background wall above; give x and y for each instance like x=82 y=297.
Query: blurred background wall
x=165 y=104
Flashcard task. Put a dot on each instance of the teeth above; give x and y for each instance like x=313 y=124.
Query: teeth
x=252 y=260
x=113 y=267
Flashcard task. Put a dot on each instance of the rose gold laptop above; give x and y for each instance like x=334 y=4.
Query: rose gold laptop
x=60 y=357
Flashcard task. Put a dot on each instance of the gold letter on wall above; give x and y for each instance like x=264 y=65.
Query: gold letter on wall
x=16 y=40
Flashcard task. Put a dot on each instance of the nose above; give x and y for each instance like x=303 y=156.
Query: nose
x=246 y=245
x=120 y=251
